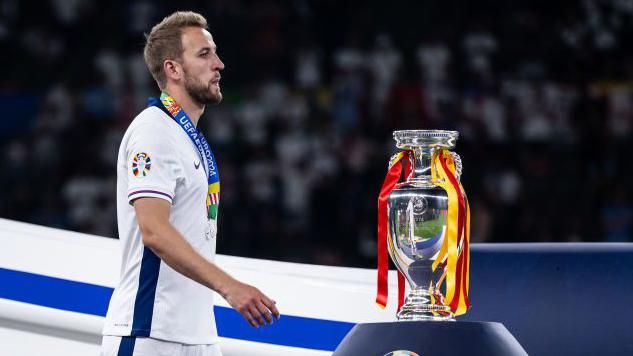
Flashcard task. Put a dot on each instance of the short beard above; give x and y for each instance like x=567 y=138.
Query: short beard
x=200 y=92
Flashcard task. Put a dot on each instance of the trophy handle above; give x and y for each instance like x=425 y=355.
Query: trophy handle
x=391 y=160
x=458 y=164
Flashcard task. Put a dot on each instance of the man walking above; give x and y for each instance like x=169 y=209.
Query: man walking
x=168 y=193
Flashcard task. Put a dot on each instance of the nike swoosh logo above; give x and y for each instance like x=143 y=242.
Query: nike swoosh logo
x=196 y=165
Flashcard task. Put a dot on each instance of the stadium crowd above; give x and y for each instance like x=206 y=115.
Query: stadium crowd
x=540 y=92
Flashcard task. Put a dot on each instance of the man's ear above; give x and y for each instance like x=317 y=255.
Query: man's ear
x=173 y=70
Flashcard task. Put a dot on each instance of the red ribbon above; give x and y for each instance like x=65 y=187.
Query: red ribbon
x=392 y=178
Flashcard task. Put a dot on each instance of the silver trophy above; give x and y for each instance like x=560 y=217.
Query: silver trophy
x=417 y=210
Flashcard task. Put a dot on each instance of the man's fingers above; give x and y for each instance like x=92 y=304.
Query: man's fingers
x=270 y=304
x=263 y=310
x=247 y=315
x=258 y=316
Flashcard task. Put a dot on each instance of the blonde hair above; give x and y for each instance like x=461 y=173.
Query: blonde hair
x=165 y=42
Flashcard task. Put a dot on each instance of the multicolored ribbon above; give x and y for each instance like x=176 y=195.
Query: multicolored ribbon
x=454 y=252
x=174 y=110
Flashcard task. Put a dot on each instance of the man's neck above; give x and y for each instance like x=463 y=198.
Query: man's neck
x=193 y=109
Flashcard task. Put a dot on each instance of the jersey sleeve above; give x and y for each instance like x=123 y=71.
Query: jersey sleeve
x=153 y=167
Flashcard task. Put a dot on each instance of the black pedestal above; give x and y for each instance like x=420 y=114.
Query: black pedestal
x=428 y=338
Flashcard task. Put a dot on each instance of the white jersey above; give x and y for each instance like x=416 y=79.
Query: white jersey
x=158 y=159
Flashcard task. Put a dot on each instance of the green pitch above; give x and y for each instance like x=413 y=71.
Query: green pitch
x=430 y=228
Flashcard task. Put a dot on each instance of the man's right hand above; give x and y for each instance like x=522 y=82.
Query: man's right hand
x=249 y=301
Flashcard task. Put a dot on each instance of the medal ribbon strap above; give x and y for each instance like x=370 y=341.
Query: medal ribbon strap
x=204 y=150
x=393 y=176
x=455 y=251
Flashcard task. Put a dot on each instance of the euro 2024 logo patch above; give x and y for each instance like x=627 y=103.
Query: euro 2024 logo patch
x=141 y=164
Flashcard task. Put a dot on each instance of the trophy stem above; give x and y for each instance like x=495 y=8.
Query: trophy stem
x=421 y=175
x=418 y=306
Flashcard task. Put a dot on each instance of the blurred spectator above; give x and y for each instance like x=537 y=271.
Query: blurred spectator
x=384 y=62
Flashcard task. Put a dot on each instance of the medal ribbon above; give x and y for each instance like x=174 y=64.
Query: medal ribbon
x=175 y=111
x=455 y=251
x=392 y=178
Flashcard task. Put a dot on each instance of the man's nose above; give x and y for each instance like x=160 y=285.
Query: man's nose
x=219 y=65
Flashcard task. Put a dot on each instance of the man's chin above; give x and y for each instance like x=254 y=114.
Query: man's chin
x=205 y=97
x=215 y=98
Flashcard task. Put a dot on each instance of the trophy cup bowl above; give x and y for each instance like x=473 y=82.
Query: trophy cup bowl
x=417 y=215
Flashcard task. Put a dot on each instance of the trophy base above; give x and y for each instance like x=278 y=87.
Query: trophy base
x=418 y=307
x=425 y=339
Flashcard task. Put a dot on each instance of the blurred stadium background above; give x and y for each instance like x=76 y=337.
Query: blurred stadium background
x=540 y=91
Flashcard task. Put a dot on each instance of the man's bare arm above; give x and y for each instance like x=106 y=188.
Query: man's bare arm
x=169 y=245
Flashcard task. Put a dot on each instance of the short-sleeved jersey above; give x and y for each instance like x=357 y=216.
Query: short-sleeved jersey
x=158 y=159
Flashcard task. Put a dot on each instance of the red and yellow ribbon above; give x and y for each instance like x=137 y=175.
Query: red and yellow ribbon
x=454 y=252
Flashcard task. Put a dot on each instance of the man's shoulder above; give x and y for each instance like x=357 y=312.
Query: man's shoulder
x=152 y=121
x=150 y=116
x=153 y=128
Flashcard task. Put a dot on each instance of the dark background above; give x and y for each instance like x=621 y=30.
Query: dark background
x=540 y=91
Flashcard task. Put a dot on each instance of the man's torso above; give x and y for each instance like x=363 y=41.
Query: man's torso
x=158 y=160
